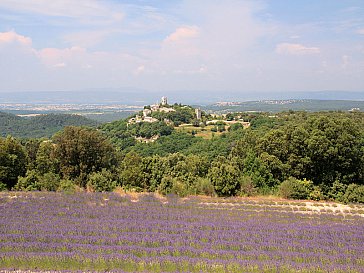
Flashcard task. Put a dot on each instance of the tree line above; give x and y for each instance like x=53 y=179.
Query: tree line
x=300 y=155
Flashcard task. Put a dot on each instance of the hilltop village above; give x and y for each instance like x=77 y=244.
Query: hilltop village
x=185 y=118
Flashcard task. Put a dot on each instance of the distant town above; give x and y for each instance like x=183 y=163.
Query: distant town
x=107 y=112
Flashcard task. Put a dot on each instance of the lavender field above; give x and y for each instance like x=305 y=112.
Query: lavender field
x=101 y=232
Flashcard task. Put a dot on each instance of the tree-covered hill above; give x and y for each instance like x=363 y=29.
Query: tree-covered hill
x=39 y=126
x=301 y=155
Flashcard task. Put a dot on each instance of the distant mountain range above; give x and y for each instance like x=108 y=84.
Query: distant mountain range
x=142 y=97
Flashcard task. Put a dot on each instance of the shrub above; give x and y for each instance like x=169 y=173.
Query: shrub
x=166 y=185
x=295 y=188
x=2 y=186
x=316 y=194
x=101 y=181
x=354 y=194
x=247 y=186
x=179 y=188
x=49 y=181
x=67 y=185
x=204 y=186
x=28 y=183
x=225 y=177
x=337 y=191
x=173 y=185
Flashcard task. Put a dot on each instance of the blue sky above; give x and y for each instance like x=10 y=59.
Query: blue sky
x=201 y=45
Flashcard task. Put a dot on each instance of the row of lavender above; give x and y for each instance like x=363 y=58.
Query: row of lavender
x=108 y=232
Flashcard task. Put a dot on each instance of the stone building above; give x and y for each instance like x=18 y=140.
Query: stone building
x=164 y=101
x=198 y=113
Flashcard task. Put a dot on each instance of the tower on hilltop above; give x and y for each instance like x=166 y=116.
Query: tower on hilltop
x=198 y=113
x=164 y=101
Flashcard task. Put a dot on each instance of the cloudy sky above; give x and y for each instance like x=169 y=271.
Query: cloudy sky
x=201 y=45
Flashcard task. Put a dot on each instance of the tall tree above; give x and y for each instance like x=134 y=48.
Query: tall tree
x=81 y=151
x=13 y=161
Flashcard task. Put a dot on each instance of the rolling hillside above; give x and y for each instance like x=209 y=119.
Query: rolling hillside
x=39 y=126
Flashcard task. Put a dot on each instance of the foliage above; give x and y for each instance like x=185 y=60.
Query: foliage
x=322 y=147
x=28 y=183
x=2 y=187
x=81 y=151
x=13 y=161
x=296 y=154
x=204 y=186
x=67 y=185
x=247 y=186
x=101 y=181
x=165 y=187
x=123 y=134
x=295 y=188
x=337 y=191
x=225 y=177
x=49 y=181
x=131 y=172
x=147 y=130
x=182 y=114
x=46 y=160
x=34 y=181
x=40 y=126
x=176 y=142
x=354 y=194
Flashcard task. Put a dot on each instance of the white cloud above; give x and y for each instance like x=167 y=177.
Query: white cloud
x=182 y=33
x=220 y=37
x=55 y=57
x=197 y=45
x=13 y=37
x=296 y=49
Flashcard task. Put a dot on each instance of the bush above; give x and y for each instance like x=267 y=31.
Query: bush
x=3 y=186
x=354 y=194
x=337 y=191
x=101 y=181
x=224 y=176
x=179 y=188
x=173 y=185
x=166 y=185
x=204 y=186
x=67 y=185
x=247 y=186
x=295 y=188
x=316 y=194
x=49 y=181
x=28 y=183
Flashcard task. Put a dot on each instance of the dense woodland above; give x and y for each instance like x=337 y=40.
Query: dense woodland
x=41 y=125
x=300 y=155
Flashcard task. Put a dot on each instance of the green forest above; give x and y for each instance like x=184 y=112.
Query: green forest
x=292 y=154
x=44 y=125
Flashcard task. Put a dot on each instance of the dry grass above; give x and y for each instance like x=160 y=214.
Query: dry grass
x=297 y=206
x=205 y=132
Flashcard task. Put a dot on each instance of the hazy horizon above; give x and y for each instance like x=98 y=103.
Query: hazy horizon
x=143 y=97
x=235 y=46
